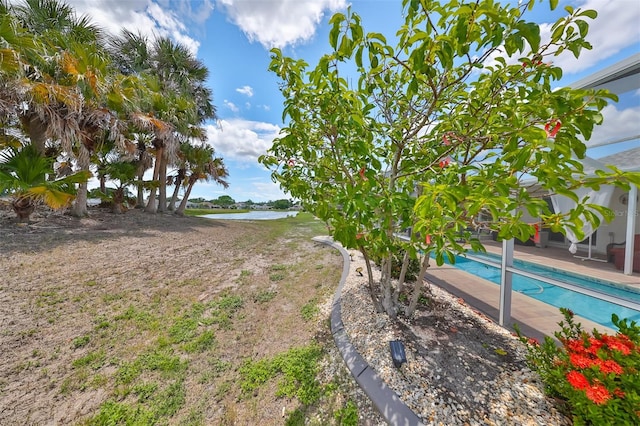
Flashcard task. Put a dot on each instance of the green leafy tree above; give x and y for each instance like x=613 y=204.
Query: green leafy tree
x=281 y=204
x=225 y=201
x=437 y=133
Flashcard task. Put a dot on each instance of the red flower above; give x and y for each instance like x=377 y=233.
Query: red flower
x=594 y=345
x=575 y=346
x=618 y=343
x=577 y=380
x=533 y=341
x=361 y=172
x=619 y=393
x=598 y=394
x=427 y=239
x=552 y=128
x=444 y=163
x=609 y=366
x=580 y=361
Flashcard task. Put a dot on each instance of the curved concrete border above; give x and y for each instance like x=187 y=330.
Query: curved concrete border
x=386 y=401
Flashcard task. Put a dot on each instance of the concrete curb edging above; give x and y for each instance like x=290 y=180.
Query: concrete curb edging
x=386 y=401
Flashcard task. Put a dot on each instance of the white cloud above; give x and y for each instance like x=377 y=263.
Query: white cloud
x=165 y=18
x=231 y=105
x=242 y=140
x=617 y=125
x=615 y=28
x=278 y=23
x=245 y=90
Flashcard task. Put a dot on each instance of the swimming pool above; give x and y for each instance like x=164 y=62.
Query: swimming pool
x=586 y=306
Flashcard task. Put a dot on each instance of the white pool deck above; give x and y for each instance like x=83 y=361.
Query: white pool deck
x=535 y=318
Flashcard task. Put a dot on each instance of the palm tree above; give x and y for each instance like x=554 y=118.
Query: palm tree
x=202 y=166
x=65 y=82
x=24 y=174
x=180 y=98
x=124 y=172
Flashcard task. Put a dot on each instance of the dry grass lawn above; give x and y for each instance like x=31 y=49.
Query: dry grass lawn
x=156 y=319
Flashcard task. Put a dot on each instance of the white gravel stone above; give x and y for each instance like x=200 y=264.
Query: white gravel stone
x=456 y=392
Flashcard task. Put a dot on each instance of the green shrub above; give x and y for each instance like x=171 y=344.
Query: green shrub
x=598 y=375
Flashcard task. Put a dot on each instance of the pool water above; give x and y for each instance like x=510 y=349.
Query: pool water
x=586 y=306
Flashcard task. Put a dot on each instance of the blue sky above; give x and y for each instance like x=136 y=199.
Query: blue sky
x=233 y=38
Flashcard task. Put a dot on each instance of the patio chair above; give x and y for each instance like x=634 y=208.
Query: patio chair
x=616 y=253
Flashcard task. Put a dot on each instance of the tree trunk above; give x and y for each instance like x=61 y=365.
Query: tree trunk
x=80 y=205
x=103 y=183
x=23 y=207
x=183 y=203
x=401 y=280
x=151 y=206
x=174 y=197
x=118 y=201
x=140 y=187
x=151 y=203
x=36 y=129
x=385 y=284
x=417 y=291
x=376 y=303
x=162 y=179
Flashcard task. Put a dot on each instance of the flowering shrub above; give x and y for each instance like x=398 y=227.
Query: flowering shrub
x=596 y=374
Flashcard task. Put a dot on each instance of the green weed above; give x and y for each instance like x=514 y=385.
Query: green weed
x=296 y=368
x=80 y=342
x=264 y=296
x=295 y=418
x=278 y=267
x=94 y=360
x=201 y=343
x=144 y=391
x=309 y=311
x=347 y=415
x=277 y=276
x=108 y=298
x=120 y=413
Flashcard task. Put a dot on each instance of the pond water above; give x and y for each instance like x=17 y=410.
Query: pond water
x=252 y=215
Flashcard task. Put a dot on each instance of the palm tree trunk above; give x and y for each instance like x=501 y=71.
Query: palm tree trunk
x=183 y=203
x=162 y=178
x=36 y=129
x=151 y=203
x=23 y=207
x=140 y=198
x=151 y=206
x=103 y=183
x=80 y=205
x=174 y=197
